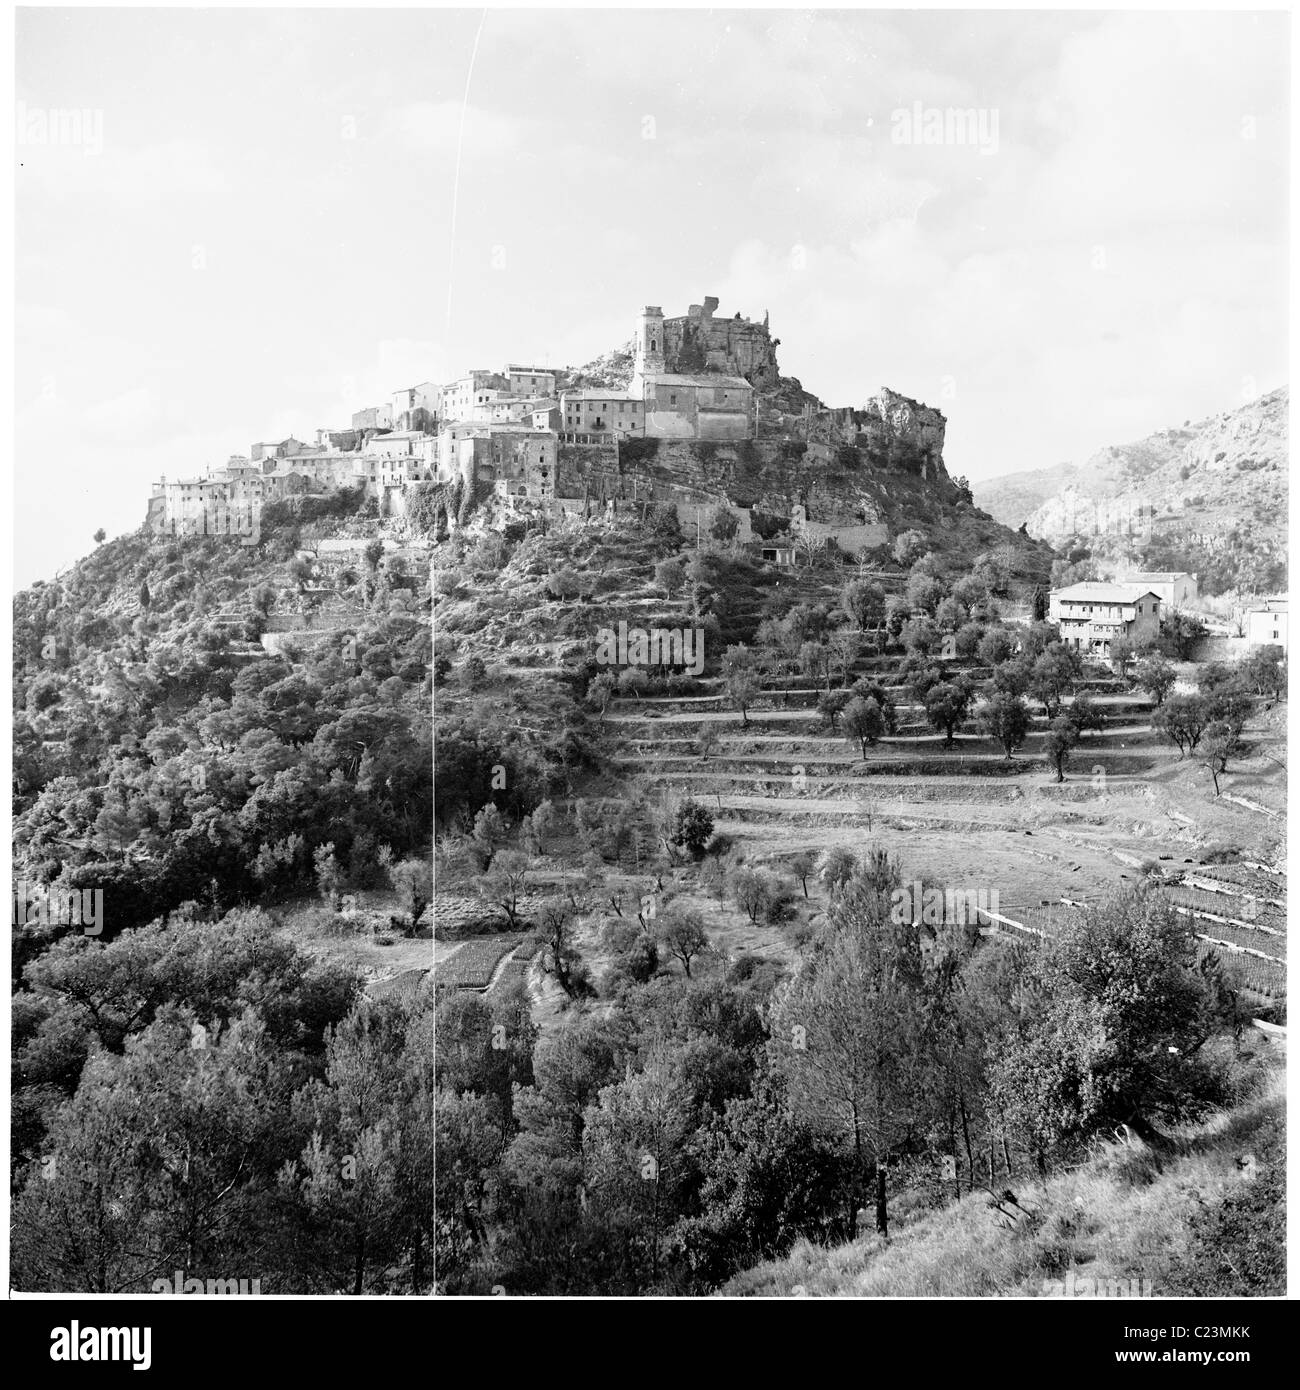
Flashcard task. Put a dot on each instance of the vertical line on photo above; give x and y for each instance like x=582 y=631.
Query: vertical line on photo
x=455 y=188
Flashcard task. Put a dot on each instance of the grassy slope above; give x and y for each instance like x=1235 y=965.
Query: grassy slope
x=1114 y=1218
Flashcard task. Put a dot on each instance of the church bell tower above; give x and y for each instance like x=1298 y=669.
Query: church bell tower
x=649 y=356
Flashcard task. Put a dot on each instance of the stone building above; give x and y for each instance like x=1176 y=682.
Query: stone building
x=426 y=396
x=325 y=468
x=547 y=415
x=1177 y=588
x=155 y=520
x=277 y=449
x=211 y=506
x=506 y=410
x=522 y=461
x=537 y=382
x=288 y=481
x=475 y=388
x=599 y=411
x=378 y=471
x=704 y=405
x=1092 y=615
x=373 y=417
x=396 y=444
x=341 y=441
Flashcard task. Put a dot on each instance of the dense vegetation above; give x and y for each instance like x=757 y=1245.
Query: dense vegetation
x=652 y=1115
x=192 y=1091
x=157 y=763
x=198 y=1096
x=697 y=1124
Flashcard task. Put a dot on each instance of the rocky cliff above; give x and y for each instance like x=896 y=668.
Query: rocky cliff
x=699 y=342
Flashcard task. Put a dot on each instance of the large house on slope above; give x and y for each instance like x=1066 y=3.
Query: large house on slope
x=1092 y=615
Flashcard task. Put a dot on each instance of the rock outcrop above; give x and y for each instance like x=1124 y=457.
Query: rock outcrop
x=699 y=342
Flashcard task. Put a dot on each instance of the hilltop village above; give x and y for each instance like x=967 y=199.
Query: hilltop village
x=700 y=390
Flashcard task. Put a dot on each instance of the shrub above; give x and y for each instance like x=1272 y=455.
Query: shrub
x=692 y=826
x=1238 y=1246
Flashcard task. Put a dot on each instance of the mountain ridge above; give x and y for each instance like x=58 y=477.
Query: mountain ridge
x=1208 y=497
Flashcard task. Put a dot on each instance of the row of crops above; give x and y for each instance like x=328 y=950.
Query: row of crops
x=1264 y=976
x=472 y=965
x=1244 y=878
x=1043 y=921
x=1243 y=938
x=1265 y=919
x=513 y=972
x=1261 y=977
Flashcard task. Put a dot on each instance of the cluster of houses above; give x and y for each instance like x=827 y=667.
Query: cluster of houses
x=1091 y=615
x=505 y=427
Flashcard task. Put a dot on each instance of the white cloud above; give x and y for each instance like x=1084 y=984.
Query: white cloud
x=329 y=256
x=435 y=127
x=148 y=174
x=128 y=415
x=344 y=384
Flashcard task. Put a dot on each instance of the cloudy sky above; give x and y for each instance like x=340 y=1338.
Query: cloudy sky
x=260 y=225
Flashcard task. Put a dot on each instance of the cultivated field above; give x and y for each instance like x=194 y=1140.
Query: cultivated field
x=963 y=816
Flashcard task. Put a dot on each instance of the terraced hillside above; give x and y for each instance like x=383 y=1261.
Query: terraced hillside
x=781 y=783
x=680 y=904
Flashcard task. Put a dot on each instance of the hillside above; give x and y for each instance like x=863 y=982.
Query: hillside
x=1013 y=497
x=1209 y=497
x=611 y=370
x=855 y=477
x=641 y=871
x=1207 y=1221
x=222 y=807
x=848 y=501
x=182 y=706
